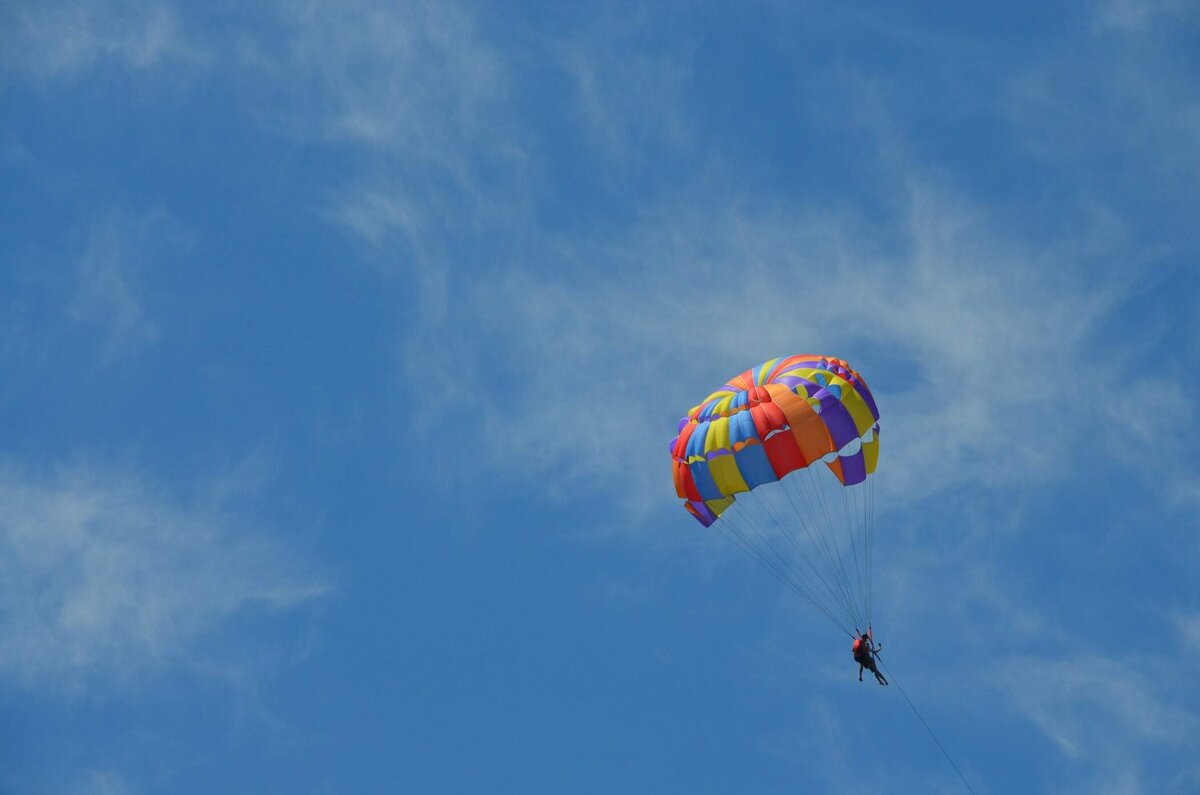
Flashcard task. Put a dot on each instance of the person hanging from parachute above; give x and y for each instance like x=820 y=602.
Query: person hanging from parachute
x=864 y=654
x=783 y=457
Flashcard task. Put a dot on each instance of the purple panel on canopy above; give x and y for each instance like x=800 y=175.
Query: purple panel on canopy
x=703 y=512
x=866 y=395
x=854 y=469
x=837 y=419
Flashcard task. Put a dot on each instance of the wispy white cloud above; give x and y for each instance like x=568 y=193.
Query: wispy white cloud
x=413 y=84
x=628 y=102
x=1115 y=119
x=1189 y=629
x=1106 y=716
x=823 y=747
x=107 y=290
x=103 y=782
x=65 y=39
x=1137 y=15
x=422 y=98
x=97 y=287
x=407 y=76
x=1112 y=112
x=105 y=579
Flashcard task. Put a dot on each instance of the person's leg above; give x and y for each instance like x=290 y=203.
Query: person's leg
x=870 y=663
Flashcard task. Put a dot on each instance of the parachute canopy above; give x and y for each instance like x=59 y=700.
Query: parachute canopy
x=784 y=415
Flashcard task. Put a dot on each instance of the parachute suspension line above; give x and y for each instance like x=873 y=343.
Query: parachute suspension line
x=818 y=543
x=827 y=541
x=820 y=500
x=860 y=515
x=864 y=492
x=748 y=515
x=750 y=549
x=851 y=531
x=803 y=555
x=781 y=561
x=754 y=551
x=829 y=536
x=858 y=500
x=870 y=497
x=891 y=678
x=857 y=506
x=840 y=593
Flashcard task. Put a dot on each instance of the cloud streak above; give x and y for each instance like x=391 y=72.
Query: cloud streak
x=99 y=290
x=46 y=41
x=1107 y=716
x=108 y=291
x=105 y=579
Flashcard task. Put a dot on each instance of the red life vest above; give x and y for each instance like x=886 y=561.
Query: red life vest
x=857 y=648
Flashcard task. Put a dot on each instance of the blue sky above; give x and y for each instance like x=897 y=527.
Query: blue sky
x=342 y=343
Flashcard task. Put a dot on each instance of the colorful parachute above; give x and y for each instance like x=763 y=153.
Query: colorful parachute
x=809 y=415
